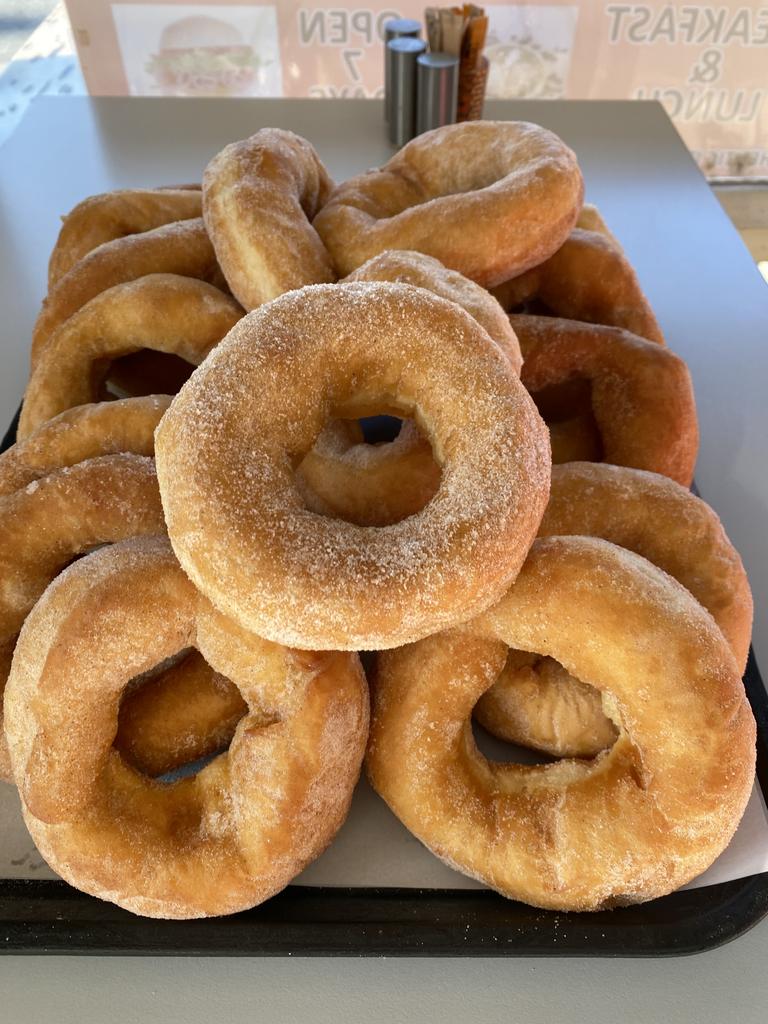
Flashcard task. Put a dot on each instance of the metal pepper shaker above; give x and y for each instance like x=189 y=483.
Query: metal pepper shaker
x=437 y=89
x=402 y=54
x=395 y=28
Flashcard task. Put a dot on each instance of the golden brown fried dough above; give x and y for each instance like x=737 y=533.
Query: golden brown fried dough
x=227 y=447
x=490 y=199
x=639 y=821
x=218 y=842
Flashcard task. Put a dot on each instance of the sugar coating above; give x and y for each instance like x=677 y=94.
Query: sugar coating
x=163 y=312
x=536 y=702
x=423 y=271
x=588 y=279
x=227 y=447
x=259 y=198
x=182 y=247
x=487 y=198
x=103 y=218
x=641 y=393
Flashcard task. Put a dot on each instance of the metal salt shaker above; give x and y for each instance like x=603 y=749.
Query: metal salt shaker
x=437 y=88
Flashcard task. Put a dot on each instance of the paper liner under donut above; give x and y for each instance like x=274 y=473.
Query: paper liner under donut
x=243 y=826
x=227 y=447
x=487 y=198
x=641 y=820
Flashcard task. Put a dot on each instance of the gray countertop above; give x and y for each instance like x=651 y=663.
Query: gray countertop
x=713 y=307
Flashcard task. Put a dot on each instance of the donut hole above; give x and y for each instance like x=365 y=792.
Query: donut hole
x=177 y=717
x=145 y=373
x=380 y=429
x=374 y=470
x=499 y=751
x=536 y=704
x=533 y=307
x=566 y=408
x=564 y=400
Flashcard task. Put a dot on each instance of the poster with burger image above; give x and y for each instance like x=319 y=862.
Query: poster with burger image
x=529 y=50
x=196 y=50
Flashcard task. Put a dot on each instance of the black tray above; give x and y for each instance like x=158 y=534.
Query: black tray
x=51 y=917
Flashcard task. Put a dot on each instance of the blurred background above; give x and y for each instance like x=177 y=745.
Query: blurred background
x=707 y=63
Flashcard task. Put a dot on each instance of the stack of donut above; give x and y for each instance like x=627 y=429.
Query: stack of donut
x=190 y=572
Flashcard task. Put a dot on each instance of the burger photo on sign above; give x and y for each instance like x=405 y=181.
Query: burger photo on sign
x=202 y=56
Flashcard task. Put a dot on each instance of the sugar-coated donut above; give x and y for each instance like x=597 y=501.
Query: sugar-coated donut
x=635 y=396
x=227 y=447
x=426 y=272
x=588 y=278
x=259 y=198
x=102 y=218
x=535 y=702
x=218 y=842
x=182 y=248
x=636 y=823
x=368 y=484
x=163 y=312
x=182 y=714
x=100 y=428
x=490 y=199
x=57 y=517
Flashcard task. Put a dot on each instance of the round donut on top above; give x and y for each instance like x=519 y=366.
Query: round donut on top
x=229 y=445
